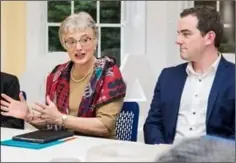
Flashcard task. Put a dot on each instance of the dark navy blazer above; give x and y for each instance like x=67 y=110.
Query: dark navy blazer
x=160 y=125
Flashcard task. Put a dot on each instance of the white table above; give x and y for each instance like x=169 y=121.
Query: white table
x=81 y=149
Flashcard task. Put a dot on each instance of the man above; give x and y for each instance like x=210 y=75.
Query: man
x=10 y=86
x=195 y=98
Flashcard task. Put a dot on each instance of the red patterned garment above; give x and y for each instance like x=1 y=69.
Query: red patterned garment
x=105 y=85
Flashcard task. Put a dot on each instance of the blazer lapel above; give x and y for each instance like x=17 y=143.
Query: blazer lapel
x=219 y=77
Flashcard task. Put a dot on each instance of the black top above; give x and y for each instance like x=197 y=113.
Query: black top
x=11 y=87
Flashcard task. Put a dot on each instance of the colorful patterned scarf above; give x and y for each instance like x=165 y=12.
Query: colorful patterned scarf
x=105 y=85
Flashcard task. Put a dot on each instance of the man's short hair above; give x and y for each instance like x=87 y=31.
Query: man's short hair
x=208 y=20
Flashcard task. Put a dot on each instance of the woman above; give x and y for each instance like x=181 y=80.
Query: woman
x=85 y=94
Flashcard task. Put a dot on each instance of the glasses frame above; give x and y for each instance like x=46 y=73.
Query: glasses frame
x=75 y=42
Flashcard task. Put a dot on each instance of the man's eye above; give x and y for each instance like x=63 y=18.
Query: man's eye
x=185 y=34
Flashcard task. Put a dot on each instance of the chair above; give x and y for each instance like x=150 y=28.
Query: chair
x=127 y=122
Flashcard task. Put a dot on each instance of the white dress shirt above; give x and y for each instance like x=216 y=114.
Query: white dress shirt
x=193 y=105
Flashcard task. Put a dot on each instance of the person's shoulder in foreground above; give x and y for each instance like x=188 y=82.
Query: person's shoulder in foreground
x=201 y=149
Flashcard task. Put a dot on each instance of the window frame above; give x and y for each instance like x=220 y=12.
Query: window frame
x=133 y=18
x=99 y=25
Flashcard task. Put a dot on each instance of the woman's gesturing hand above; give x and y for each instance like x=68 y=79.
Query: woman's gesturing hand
x=14 y=108
x=49 y=112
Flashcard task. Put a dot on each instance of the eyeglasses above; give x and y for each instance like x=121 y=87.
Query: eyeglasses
x=72 y=42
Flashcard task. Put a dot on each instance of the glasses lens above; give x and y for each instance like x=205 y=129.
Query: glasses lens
x=70 y=43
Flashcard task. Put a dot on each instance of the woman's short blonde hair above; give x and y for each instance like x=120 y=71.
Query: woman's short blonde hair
x=77 y=22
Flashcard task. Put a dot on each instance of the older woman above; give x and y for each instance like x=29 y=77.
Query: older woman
x=85 y=94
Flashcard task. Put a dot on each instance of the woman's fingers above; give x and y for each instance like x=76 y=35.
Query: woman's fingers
x=35 y=116
x=7 y=98
x=6 y=109
x=4 y=103
x=5 y=113
x=38 y=109
x=40 y=105
x=38 y=121
x=43 y=116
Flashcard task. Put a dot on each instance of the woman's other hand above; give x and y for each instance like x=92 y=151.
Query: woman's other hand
x=14 y=108
x=49 y=112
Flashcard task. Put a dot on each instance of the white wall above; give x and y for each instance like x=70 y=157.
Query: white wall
x=2 y=42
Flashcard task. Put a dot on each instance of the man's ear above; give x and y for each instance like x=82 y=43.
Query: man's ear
x=210 y=38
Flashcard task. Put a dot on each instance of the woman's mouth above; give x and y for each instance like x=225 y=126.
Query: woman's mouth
x=79 y=55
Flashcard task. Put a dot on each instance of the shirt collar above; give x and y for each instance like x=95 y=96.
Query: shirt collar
x=214 y=66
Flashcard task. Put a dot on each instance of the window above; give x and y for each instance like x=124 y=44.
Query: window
x=107 y=14
x=227 y=12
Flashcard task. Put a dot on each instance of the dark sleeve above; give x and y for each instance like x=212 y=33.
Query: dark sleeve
x=12 y=89
x=153 y=126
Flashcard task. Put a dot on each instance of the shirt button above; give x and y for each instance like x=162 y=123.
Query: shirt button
x=199 y=80
x=191 y=128
x=194 y=113
x=196 y=95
